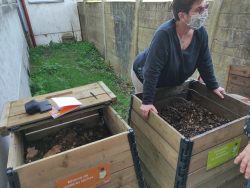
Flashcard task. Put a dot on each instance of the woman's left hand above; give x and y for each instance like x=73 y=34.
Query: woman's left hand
x=220 y=92
x=244 y=159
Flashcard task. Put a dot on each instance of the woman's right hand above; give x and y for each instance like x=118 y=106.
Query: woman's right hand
x=145 y=109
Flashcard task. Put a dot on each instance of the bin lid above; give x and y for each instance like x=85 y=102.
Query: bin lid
x=91 y=95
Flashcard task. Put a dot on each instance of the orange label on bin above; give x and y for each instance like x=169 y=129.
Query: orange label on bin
x=89 y=178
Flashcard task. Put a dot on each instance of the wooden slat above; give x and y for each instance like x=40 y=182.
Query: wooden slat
x=115 y=123
x=84 y=90
x=114 y=150
x=149 y=154
x=228 y=102
x=219 y=180
x=149 y=180
x=201 y=176
x=218 y=135
x=164 y=182
x=213 y=106
x=160 y=126
x=125 y=178
x=4 y=119
x=161 y=170
x=108 y=91
x=240 y=98
x=52 y=122
x=16 y=151
x=238 y=181
x=200 y=160
x=170 y=155
x=24 y=118
x=239 y=80
x=17 y=107
x=237 y=89
x=89 y=122
x=240 y=70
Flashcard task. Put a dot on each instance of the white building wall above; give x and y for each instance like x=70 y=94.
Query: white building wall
x=51 y=20
x=13 y=69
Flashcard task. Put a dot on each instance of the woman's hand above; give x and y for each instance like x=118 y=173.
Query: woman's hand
x=145 y=109
x=244 y=158
x=220 y=92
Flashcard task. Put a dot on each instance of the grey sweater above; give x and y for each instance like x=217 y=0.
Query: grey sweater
x=165 y=64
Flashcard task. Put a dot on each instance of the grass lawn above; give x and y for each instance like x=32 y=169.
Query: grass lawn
x=62 y=66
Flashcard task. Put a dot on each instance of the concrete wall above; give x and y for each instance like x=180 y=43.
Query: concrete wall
x=50 y=21
x=92 y=22
x=110 y=26
x=122 y=29
x=151 y=15
x=14 y=65
x=119 y=28
x=230 y=44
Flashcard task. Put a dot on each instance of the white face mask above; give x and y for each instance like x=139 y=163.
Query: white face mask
x=198 y=20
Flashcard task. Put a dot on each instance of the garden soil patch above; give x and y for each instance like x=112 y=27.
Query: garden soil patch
x=65 y=139
x=189 y=118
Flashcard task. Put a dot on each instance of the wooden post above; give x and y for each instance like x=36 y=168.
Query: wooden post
x=135 y=35
x=104 y=29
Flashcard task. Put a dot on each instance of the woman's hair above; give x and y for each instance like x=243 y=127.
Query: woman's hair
x=182 y=6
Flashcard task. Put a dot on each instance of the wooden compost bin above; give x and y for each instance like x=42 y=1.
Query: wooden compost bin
x=168 y=159
x=118 y=152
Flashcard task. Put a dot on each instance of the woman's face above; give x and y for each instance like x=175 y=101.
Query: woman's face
x=197 y=15
x=198 y=8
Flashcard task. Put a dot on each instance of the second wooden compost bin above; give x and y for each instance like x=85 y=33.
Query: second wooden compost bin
x=169 y=159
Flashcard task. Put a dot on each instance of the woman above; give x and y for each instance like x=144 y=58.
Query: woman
x=179 y=46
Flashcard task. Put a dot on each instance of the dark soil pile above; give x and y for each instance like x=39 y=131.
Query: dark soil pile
x=188 y=118
x=65 y=139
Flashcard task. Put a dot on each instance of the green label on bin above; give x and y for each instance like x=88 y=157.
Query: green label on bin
x=223 y=153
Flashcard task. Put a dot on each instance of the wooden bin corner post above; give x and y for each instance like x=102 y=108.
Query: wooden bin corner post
x=13 y=178
x=184 y=159
x=135 y=156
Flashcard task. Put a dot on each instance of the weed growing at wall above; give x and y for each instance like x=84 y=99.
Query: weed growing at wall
x=62 y=66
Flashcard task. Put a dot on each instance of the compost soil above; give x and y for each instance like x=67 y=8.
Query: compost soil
x=65 y=139
x=189 y=118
